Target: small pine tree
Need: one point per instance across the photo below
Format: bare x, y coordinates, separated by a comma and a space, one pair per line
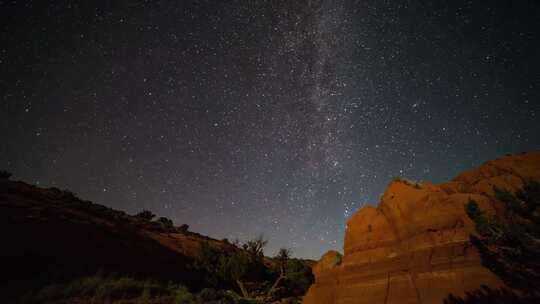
509, 245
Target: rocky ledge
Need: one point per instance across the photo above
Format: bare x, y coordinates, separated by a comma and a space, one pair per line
414, 246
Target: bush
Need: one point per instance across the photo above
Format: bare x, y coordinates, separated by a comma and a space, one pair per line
183, 296
209, 294
184, 228
146, 215
299, 277
97, 287
111, 288
473, 210
165, 223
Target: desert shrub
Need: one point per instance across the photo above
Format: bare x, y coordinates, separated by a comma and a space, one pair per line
283, 256
236, 268
120, 215
233, 267
103, 288
144, 298
183, 296
165, 223
184, 228
55, 191
298, 277
68, 195
207, 265
146, 215
209, 294
254, 249
97, 287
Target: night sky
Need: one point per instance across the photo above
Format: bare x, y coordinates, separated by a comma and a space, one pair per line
254, 117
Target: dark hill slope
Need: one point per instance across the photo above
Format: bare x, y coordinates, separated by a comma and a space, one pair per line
50, 234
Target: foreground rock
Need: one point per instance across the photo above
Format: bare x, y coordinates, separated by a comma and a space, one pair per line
414, 247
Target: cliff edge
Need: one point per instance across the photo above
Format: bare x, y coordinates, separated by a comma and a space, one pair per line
414, 246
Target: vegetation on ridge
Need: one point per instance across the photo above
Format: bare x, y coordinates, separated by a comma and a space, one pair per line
66, 240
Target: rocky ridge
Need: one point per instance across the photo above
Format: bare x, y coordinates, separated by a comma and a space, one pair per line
414, 246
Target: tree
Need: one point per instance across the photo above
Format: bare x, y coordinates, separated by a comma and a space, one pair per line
234, 268
255, 248
208, 261
244, 264
220, 268
298, 276
146, 215
509, 245
255, 252
282, 257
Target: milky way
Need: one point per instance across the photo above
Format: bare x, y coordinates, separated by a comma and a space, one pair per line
279, 118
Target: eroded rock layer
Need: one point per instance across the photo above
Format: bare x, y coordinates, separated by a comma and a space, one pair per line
414, 247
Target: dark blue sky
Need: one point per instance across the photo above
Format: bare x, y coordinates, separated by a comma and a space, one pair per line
279, 118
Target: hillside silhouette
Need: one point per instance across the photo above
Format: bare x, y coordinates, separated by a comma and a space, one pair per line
52, 236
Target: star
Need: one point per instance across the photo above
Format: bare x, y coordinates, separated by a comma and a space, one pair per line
262, 117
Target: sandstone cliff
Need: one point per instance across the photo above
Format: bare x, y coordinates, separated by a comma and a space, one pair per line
414, 246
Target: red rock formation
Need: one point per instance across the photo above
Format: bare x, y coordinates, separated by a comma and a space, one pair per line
414, 247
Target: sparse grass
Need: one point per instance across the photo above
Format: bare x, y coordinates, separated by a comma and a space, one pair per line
220, 270
112, 287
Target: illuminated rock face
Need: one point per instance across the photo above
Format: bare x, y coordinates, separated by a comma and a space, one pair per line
414, 247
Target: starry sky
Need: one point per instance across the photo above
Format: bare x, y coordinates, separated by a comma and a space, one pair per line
279, 118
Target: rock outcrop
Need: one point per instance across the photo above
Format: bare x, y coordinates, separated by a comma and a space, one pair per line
414, 246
